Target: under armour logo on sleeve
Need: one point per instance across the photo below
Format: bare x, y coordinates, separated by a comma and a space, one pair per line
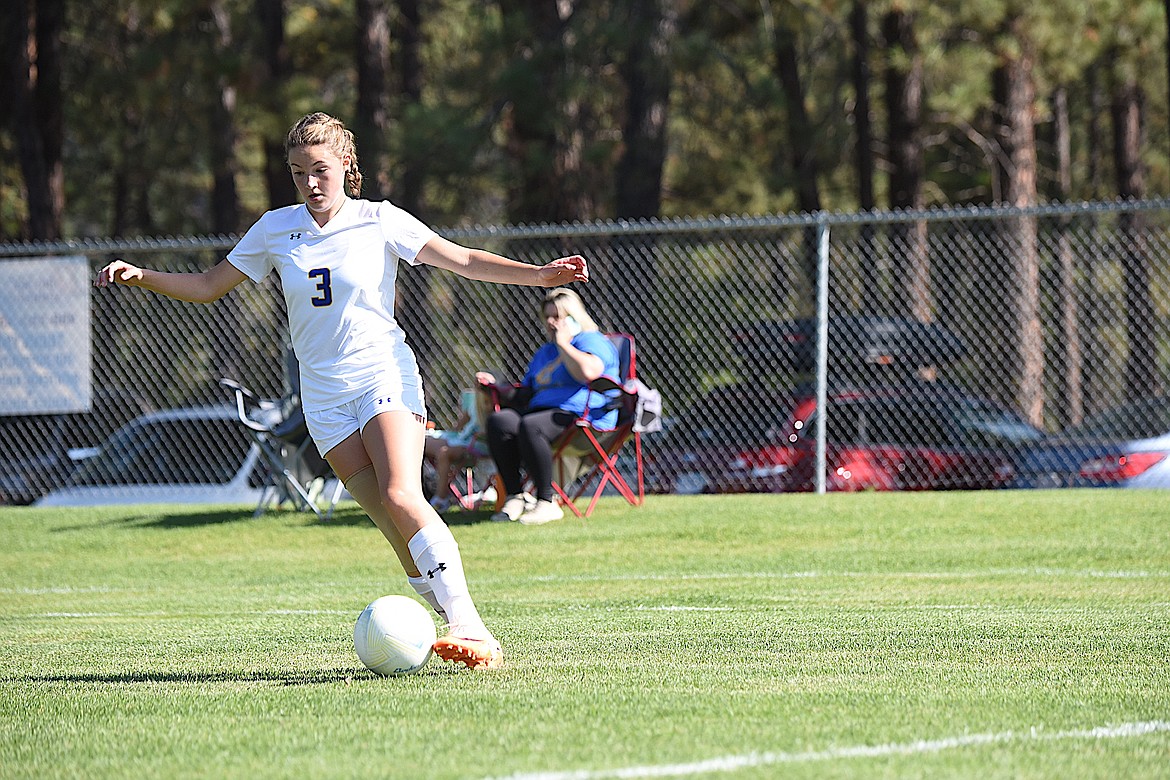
294, 236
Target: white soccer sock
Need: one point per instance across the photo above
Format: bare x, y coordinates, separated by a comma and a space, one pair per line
437, 556
422, 586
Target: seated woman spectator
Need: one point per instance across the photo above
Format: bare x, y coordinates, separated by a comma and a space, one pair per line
553, 393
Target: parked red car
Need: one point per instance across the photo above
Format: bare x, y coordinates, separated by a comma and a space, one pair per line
907, 437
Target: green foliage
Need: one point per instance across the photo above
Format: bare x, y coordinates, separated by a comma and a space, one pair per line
140, 78
842, 636
13, 208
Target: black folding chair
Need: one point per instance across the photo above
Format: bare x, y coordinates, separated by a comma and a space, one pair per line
296, 471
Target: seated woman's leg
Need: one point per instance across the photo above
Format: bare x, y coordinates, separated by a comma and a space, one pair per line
537, 431
503, 429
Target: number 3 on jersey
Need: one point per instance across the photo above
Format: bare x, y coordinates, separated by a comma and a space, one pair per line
324, 287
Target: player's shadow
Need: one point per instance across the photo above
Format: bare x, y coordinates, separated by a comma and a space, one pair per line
190, 519
222, 516
356, 516
157, 520
467, 516
287, 678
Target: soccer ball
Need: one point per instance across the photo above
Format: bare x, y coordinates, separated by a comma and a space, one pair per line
394, 635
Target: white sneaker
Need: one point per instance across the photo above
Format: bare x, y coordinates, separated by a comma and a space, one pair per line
543, 512
514, 506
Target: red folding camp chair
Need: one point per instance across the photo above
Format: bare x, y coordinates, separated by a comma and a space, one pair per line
585, 458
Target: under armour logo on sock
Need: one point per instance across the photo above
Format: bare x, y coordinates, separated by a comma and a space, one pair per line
441, 567
294, 236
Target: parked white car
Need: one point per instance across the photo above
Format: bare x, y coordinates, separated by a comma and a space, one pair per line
194, 455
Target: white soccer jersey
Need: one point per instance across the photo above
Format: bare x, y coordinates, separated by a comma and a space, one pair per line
338, 284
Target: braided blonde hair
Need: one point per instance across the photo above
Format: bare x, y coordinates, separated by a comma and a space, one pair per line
320, 129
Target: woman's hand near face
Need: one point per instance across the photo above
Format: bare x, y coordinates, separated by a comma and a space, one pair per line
562, 334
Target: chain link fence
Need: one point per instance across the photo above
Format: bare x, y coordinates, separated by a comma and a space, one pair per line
955, 340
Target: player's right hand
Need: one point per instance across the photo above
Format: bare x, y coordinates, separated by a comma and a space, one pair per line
118, 272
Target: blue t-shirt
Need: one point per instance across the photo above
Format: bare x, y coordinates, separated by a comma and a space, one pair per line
555, 388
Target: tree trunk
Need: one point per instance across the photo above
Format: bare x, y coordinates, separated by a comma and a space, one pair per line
801, 145
904, 108
1070, 407
13, 32
800, 133
413, 303
541, 158
227, 360
1166, 18
372, 123
1142, 378
408, 189
276, 67
50, 101
859, 29
36, 114
651, 29
647, 72
860, 71
1017, 132
225, 200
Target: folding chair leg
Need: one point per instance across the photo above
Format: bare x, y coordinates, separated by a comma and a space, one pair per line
306, 500
607, 468
262, 504
337, 488
465, 492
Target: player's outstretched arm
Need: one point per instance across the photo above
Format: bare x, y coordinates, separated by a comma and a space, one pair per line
484, 266
203, 287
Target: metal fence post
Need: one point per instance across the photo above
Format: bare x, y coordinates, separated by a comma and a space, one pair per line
822, 348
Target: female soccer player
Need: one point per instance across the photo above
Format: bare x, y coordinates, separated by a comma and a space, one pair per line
338, 257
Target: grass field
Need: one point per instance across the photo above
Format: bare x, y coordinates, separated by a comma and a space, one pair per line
997, 634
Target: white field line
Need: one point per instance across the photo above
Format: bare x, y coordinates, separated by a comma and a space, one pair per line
724, 764
186, 614
798, 575
580, 607
759, 575
679, 608
157, 614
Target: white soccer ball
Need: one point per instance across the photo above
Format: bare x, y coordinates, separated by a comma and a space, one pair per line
394, 635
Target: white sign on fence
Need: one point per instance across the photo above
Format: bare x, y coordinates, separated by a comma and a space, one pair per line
44, 335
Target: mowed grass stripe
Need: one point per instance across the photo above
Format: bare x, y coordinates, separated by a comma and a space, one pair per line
199, 642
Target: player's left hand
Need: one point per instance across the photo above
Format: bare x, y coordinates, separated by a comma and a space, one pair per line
564, 270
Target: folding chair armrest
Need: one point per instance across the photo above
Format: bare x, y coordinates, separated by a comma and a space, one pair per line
509, 394
601, 385
243, 397
238, 389
493, 391
604, 384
